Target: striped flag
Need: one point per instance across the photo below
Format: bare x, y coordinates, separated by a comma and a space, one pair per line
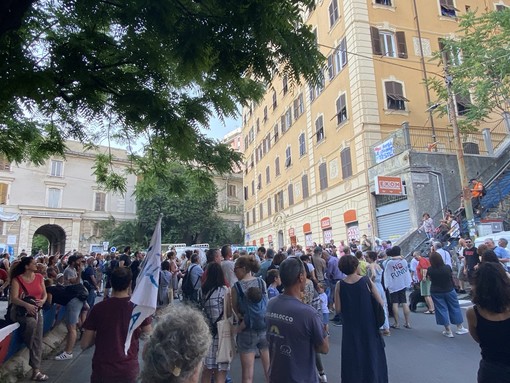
145, 296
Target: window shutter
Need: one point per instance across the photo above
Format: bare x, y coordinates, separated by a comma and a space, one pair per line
291, 194
401, 45
269, 206
376, 41
3, 193
304, 182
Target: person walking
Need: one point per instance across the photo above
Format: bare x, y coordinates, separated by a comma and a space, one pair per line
427, 226
26, 282
489, 322
363, 356
295, 330
447, 308
421, 273
375, 272
214, 294
397, 279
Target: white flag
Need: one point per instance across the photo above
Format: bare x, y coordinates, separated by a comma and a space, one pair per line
145, 296
4, 332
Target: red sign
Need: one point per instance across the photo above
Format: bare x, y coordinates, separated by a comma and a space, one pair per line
388, 185
325, 223
291, 232
269, 238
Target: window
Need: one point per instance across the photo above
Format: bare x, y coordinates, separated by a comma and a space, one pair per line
252, 187
277, 166
319, 128
448, 8
276, 133
383, 43
331, 67
278, 201
275, 103
247, 218
54, 196
288, 118
323, 176
100, 201
246, 141
317, 89
246, 193
299, 107
259, 181
57, 168
251, 135
3, 193
265, 114
463, 103
383, 2
232, 191
268, 174
395, 95
453, 55
5, 164
261, 211
269, 207
302, 145
345, 158
254, 215
304, 183
341, 55
341, 109
285, 85
290, 190
288, 157
333, 12
257, 124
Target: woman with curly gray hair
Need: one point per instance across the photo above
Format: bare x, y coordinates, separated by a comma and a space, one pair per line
177, 347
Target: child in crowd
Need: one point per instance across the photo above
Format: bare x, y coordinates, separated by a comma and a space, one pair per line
324, 306
273, 281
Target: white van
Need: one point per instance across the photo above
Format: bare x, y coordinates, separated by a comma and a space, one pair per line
495, 237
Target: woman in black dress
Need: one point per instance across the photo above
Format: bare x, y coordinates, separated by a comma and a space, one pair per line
363, 356
489, 322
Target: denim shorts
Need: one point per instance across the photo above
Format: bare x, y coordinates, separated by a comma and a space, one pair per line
251, 340
73, 310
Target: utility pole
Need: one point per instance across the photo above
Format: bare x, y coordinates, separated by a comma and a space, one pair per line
464, 182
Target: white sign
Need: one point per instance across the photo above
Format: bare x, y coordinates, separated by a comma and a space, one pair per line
384, 151
309, 240
353, 232
105, 246
328, 236
11, 239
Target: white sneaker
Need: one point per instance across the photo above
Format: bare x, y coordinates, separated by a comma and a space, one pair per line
461, 331
323, 378
64, 356
448, 334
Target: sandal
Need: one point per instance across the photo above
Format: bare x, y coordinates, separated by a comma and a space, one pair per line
386, 332
40, 377
396, 327
429, 312
407, 325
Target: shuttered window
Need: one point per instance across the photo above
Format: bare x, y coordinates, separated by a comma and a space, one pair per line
302, 145
100, 201
268, 174
269, 207
304, 183
319, 128
387, 43
261, 211
341, 109
290, 190
323, 176
3, 193
448, 8
345, 158
395, 95
333, 12
277, 166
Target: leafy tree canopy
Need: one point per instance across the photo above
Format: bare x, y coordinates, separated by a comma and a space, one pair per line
479, 63
150, 69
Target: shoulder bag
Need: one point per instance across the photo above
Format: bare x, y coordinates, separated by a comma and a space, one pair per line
20, 310
226, 348
376, 306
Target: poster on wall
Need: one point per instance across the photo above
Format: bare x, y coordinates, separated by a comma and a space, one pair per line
327, 235
309, 240
384, 151
353, 232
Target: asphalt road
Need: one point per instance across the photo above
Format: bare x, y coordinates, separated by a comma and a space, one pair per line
419, 355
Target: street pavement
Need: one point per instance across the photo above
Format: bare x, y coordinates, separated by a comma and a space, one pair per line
418, 355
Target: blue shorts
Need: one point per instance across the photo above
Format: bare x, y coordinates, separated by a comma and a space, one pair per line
73, 310
251, 340
325, 318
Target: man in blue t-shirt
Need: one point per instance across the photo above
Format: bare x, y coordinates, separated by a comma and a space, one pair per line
294, 330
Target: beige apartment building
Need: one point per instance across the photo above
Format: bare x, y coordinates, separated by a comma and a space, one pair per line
309, 149
61, 201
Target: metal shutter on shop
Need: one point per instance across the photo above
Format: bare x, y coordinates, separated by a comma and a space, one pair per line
393, 221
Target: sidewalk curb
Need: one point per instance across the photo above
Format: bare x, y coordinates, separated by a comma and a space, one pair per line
16, 368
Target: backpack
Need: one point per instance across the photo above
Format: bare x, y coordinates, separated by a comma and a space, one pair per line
188, 288
253, 309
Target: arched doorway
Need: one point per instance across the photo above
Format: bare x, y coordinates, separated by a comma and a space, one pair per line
56, 237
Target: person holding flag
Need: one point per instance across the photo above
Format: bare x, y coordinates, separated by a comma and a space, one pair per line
115, 325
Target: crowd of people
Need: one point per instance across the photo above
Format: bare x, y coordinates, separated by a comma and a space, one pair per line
280, 305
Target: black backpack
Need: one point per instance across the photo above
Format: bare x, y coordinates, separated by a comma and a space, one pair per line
188, 288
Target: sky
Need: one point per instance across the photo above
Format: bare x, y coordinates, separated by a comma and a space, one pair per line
218, 129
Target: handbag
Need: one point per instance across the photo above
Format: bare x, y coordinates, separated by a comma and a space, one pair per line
77, 291
20, 310
379, 315
226, 348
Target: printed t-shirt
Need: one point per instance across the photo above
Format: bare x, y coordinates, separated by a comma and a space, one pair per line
110, 319
294, 329
471, 257
396, 275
